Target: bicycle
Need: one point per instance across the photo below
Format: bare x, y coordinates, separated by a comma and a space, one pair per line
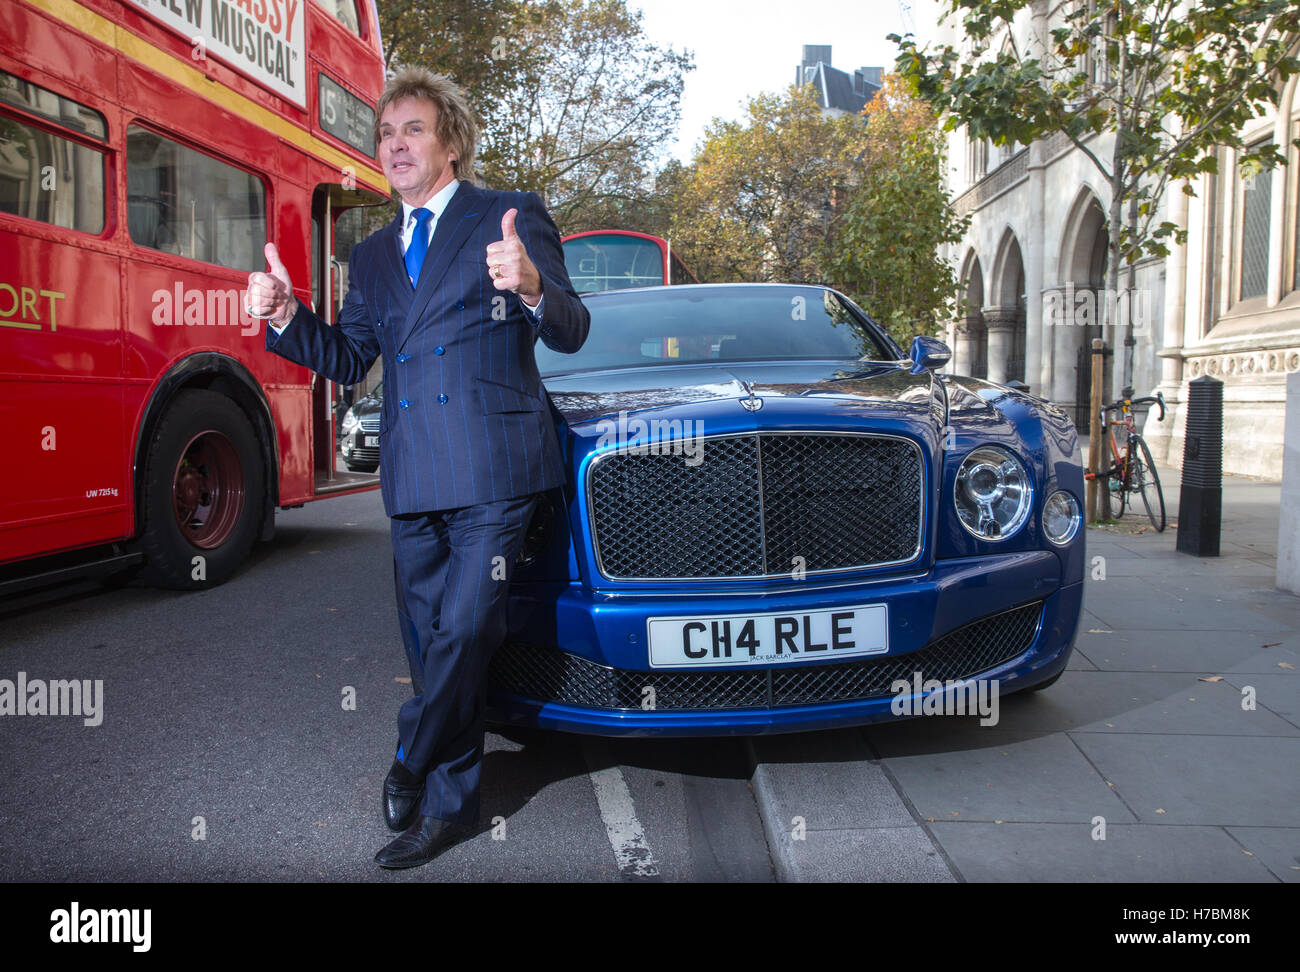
1134, 470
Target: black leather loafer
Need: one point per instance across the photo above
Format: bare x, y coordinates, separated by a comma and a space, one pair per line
422, 842
401, 797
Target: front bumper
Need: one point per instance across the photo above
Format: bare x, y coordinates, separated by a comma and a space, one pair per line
576, 660
354, 448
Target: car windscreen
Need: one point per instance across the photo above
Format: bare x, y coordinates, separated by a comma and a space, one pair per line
696, 324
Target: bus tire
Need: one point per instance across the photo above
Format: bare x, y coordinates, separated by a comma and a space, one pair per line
204, 492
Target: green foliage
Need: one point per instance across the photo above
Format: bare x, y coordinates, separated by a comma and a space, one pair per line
791, 194
573, 98
884, 251
463, 39
1172, 82
758, 200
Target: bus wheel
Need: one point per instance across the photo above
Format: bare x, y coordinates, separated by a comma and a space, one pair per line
203, 492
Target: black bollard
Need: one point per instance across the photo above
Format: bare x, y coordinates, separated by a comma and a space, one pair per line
1200, 499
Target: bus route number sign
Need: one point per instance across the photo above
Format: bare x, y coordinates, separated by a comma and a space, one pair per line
345, 116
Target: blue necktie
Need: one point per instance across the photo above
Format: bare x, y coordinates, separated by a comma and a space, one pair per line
419, 245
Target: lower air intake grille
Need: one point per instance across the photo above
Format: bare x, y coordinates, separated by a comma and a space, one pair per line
547, 675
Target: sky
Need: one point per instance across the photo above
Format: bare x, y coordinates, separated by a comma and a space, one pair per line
744, 49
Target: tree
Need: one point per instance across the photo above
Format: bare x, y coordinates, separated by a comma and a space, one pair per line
884, 250
467, 40
792, 194
1171, 81
584, 125
573, 99
757, 201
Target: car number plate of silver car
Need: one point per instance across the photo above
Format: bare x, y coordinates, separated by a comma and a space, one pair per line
372, 441
727, 641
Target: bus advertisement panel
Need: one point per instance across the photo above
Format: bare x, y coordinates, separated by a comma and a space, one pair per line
266, 39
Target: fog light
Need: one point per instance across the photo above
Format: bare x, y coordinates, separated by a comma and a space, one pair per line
1061, 517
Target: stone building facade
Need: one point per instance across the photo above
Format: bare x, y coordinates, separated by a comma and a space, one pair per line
1033, 268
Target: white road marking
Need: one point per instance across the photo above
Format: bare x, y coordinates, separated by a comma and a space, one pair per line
626, 835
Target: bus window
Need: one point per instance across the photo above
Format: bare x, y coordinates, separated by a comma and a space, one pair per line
44, 176
181, 201
344, 11
50, 179
609, 262
616, 259
55, 107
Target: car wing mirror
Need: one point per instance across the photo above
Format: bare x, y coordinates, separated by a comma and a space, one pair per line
928, 354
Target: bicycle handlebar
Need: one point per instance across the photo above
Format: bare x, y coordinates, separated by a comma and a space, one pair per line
1157, 399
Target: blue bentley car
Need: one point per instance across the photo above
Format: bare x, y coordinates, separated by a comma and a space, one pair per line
775, 517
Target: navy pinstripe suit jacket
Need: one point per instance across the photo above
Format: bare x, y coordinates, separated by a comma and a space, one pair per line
465, 418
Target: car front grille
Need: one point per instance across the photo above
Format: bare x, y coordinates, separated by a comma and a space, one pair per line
370, 425
756, 505
548, 675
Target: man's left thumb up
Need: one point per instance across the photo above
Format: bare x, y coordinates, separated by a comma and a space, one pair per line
508, 225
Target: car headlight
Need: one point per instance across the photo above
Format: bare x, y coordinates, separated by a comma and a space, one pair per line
993, 495
1061, 517
350, 421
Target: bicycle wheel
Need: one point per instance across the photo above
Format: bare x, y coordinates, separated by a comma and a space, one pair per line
1110, 486
1147, 482
1108, 500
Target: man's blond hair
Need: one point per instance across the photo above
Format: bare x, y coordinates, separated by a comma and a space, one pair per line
456, 128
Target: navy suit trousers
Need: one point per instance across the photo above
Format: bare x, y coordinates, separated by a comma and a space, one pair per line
452, 569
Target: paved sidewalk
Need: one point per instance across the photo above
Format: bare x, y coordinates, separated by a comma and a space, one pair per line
1175, 732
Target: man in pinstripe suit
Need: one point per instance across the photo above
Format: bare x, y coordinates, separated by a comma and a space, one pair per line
453, 294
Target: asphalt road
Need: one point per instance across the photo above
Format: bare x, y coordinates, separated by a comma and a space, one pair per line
226, 750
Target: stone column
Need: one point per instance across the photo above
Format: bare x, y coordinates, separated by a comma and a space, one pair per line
1278, 274
958, 365
999, 321
1065, 355
1288, 521
967, 334
1159, 436
1038, 352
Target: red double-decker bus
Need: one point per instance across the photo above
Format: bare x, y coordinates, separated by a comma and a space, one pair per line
148, 151
616, 259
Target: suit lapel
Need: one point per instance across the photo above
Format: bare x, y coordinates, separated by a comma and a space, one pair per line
392, 258
465, 211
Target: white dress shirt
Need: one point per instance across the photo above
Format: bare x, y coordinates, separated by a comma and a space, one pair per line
435, 205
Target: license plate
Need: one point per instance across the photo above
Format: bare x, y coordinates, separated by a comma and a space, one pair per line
718, 641
372, 441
